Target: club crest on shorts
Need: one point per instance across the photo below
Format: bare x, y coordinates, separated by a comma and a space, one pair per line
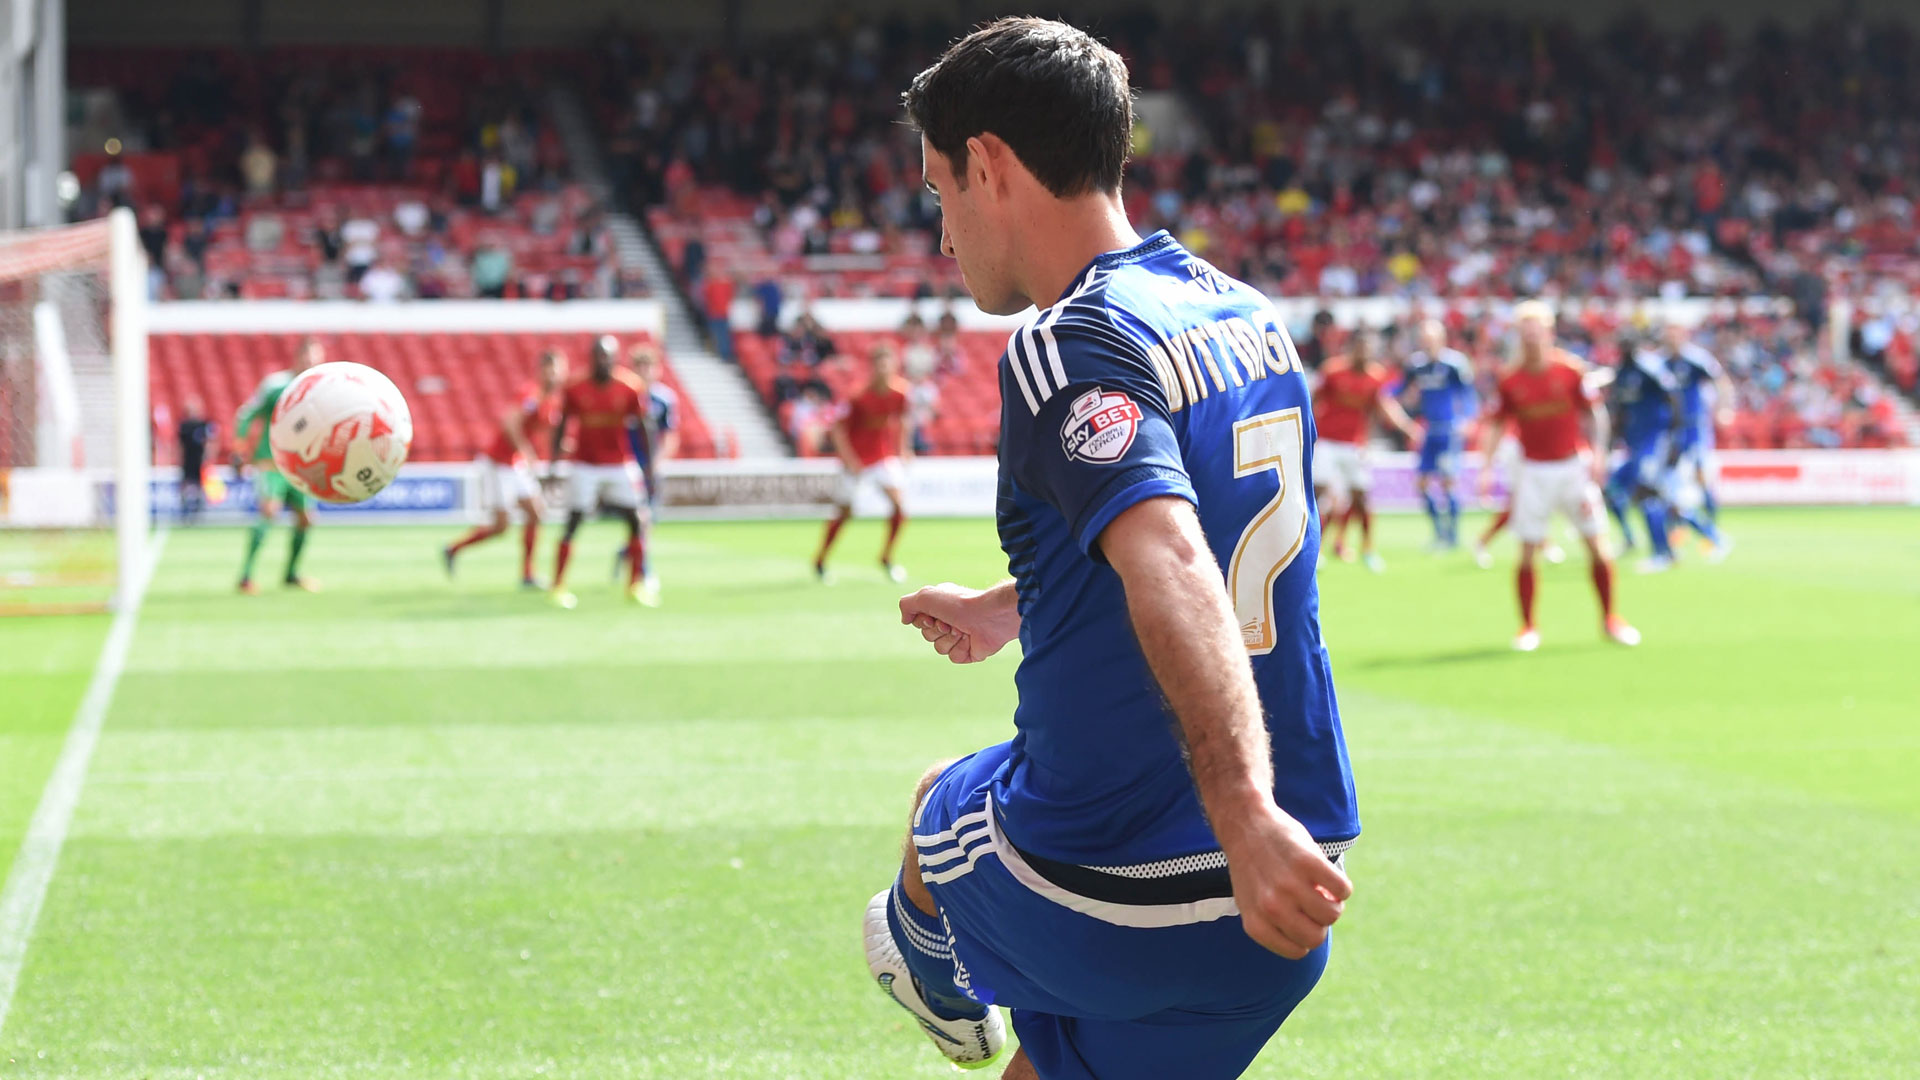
1100, 426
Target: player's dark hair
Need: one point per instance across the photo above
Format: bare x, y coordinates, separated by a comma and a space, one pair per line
1058, 98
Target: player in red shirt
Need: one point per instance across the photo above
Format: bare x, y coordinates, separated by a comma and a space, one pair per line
1352, 392
506, 465
1546, 400
607, 402
871, 439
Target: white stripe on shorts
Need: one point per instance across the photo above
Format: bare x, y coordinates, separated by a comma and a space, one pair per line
962, 869
955, 851
947, 835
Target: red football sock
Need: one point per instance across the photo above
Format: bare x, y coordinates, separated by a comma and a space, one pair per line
636, 548
1499, 523
1526, 596
560, 562
826, 542
527, 542
894, 525
1603, 584
477, 534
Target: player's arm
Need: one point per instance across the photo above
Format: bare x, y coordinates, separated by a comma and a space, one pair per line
1389, 410
640, 434
1409, 393
252, 411
666, 444
1676, 420
842, 443
1287, 891
1599, 435
964, 625
1493, 429
905, 450
640, 441
514, 423
559, 439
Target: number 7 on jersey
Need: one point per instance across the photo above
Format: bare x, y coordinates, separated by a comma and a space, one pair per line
1271, 541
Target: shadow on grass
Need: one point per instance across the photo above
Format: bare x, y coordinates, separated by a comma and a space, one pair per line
1454, 656
765, 588
1475, 654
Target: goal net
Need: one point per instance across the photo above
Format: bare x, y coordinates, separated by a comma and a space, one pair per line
75, 433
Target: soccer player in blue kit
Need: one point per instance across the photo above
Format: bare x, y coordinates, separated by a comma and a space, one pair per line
1442, 380
1703, 387
1146, 874
655, 440
1646, 406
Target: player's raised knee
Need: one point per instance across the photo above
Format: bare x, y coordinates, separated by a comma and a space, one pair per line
927, 780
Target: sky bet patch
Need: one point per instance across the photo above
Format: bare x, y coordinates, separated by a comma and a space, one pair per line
1101, 426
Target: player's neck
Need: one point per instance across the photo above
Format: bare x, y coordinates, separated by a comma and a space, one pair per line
1061, 236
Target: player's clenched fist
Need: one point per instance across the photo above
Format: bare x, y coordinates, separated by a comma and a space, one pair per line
1287, 891
963, 625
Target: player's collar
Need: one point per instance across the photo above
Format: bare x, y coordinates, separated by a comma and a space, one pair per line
1159, 241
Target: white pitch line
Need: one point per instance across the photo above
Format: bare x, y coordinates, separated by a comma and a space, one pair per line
33, 867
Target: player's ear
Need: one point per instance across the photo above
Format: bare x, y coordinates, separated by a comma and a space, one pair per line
988, 160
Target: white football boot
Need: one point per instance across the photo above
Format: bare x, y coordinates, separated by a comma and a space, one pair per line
969, 1044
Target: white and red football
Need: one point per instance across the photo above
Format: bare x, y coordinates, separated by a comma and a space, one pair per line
341, 432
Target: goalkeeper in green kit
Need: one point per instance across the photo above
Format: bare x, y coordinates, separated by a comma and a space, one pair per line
270, 489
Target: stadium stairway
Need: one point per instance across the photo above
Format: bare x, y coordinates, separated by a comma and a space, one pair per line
1903, 406
720, 390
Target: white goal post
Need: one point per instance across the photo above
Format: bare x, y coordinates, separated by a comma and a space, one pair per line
76, 430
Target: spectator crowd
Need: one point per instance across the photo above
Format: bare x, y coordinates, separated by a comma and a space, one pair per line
308, 172
1421, 156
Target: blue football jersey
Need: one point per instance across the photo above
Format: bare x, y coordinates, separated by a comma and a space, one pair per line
663, 415
1643, 394
1694, 370
1446, 387
1156, 375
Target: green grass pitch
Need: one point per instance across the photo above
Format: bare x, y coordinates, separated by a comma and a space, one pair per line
420, 829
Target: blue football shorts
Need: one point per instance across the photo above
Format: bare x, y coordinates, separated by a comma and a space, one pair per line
1440, 453
1120, 973
1644, 467
1697, 442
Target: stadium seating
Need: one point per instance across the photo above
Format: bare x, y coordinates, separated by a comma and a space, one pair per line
347, 134
967, 420
458, 385
292, 267
906, 264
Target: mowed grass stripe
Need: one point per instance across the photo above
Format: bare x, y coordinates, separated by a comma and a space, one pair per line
640, 693
45, 664
1757, 667
470, 956
496, 779
24, 888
